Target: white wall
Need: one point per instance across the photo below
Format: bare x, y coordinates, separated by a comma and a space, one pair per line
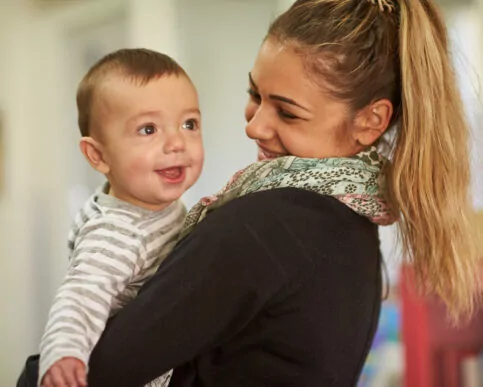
283, 5
23, 171
147, 30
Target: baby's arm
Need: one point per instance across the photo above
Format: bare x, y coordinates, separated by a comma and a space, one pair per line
103, 263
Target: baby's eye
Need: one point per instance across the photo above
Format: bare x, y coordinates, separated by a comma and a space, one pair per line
147, 130
191, 124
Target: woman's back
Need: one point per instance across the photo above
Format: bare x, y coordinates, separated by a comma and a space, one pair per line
315, 330
289, 296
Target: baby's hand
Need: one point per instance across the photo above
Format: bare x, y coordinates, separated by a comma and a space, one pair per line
67, 372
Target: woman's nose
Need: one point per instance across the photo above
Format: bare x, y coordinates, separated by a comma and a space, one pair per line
259, 125
173, 141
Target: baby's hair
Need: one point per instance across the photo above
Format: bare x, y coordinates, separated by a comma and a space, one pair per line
363, 51
137, 64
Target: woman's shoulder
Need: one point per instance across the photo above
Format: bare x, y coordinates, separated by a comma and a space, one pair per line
288, 216
295, 204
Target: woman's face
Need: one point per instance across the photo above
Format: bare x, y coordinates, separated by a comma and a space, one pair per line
289, 114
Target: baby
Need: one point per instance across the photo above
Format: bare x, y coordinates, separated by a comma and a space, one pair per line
141, 127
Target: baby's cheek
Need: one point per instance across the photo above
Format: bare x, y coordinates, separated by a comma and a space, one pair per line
201, 156
137, 163
195, 150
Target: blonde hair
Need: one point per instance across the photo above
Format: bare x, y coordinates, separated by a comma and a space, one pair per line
138, 64
365, 50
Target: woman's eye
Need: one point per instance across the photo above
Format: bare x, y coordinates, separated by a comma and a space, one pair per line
285, 114
190, 124
254, 95
147, 130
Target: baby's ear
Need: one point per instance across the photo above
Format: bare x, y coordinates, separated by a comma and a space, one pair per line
93, 152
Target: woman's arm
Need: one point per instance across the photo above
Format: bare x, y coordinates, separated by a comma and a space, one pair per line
214, 282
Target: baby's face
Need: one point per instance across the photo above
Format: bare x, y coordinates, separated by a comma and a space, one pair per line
151, 138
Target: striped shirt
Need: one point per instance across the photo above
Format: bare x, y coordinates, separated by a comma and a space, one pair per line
114, 248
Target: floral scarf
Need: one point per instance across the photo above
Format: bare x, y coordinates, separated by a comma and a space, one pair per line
358, 182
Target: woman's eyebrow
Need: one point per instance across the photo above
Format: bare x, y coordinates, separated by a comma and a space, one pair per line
287, 100
251, 81
277, 97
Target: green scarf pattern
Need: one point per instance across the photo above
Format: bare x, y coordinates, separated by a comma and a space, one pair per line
359, 182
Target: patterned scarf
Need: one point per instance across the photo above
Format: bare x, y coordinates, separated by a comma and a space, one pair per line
358, 182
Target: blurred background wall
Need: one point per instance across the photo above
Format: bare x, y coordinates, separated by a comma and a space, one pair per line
45, 48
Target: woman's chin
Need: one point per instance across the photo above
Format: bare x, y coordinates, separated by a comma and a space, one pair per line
264, 156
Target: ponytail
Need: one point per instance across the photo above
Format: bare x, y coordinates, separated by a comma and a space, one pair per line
430, 176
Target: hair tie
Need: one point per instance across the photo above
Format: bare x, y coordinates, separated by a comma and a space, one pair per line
384, 5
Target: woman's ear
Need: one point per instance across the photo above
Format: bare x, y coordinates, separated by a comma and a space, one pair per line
93, 152
372, 121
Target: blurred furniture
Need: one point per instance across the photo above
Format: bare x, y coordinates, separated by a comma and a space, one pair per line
434, 349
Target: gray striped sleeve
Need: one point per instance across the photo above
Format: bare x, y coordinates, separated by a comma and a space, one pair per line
103, 264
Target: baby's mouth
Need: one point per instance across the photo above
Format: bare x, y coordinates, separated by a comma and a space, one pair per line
172, 174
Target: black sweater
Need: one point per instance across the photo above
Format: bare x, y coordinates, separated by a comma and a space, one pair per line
277, 288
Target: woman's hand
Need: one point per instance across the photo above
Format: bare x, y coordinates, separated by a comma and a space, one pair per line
67, 372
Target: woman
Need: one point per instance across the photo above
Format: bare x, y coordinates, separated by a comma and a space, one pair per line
282, 286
